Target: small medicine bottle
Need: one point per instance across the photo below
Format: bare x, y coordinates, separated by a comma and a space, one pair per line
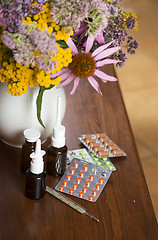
31, 136
35, 187
57, 153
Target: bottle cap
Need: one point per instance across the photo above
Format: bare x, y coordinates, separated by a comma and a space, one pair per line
58, 139
31, 135
37, 164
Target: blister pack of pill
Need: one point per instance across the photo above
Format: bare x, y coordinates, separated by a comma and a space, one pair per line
83, 180
101, 145
88, 156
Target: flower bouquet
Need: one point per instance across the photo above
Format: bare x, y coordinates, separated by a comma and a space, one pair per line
54, 42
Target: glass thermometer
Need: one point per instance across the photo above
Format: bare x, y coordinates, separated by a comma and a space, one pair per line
71, 203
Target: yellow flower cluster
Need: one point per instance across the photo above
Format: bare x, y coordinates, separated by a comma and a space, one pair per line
19, 77
63, 58
44, 79
45, 22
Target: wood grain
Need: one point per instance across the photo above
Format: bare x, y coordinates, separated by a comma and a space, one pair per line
124, 207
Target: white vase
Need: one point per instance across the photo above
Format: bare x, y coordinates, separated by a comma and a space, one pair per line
18, 113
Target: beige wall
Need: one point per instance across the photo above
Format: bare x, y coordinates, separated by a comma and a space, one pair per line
139, 84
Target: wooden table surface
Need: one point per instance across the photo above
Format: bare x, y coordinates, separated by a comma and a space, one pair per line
124, 207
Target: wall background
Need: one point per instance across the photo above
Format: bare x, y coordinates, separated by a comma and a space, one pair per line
139, 84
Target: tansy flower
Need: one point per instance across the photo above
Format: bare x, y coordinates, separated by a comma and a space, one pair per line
86, 64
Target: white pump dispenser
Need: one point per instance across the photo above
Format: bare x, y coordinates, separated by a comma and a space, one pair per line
37, 164
58, 139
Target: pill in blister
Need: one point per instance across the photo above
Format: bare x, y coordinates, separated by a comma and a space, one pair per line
92, 145
107, 144
71, 191
107, 162
74, 186
76, 164
81, 194
110, 167
99, 163
97, 186
91, 177
102, 140
61, 188
86, 136
84, 156
101, 180
65, 182
117, 152
84, 189
90, 197
78, 180
68, 176
81, 152
72, 170
111, 148
103, 154
81, 174
85, 167
87, 160
88, 183
100, 135
94, 192
99, 149
90, 141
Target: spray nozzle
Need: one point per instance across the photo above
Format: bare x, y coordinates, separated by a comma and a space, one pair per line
58, 111
37, 163
58, 139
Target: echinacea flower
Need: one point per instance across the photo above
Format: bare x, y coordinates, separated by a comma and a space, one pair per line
86, 64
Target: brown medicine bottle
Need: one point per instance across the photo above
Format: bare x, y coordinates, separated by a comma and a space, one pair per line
35, 187
57, 153
31, 136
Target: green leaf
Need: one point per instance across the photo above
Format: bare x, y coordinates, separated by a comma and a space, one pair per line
39, 103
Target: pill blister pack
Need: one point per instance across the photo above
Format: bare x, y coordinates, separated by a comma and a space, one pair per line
83, 180
101, 145
88, 156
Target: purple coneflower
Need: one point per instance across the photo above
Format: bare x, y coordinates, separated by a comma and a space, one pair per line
86, 64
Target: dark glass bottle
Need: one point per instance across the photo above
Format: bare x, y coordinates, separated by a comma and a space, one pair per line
57, 153
56, 160
35, 185
31, 135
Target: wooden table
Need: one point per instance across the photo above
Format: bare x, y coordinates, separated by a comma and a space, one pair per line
124, 207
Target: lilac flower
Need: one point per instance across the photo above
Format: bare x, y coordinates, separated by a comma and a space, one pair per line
2, 20
27, 43
15, 11
122, 57
85, 65
130, 22
70, 13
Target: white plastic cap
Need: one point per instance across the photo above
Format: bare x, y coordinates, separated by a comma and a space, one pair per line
58, 139
37, 164
31, 135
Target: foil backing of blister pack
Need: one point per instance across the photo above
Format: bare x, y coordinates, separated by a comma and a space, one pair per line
83, 180
101, 145
88, 156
